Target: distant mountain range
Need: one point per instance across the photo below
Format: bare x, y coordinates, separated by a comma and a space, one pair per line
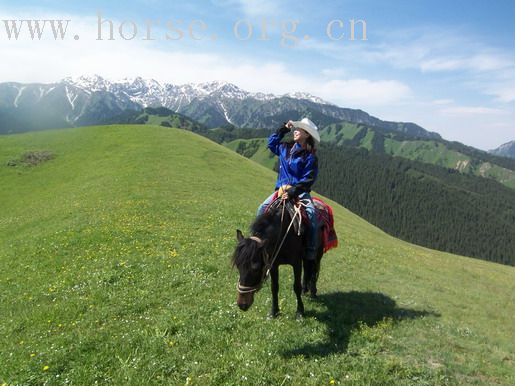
506, 150
95, 100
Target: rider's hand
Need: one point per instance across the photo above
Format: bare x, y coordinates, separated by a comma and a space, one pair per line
291, 192
283, 129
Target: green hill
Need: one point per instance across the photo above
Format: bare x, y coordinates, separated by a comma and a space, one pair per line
254, 149
114, 251
451, 155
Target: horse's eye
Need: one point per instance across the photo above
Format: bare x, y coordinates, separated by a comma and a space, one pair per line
255, 265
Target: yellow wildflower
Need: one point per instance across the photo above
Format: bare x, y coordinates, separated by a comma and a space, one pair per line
45, 368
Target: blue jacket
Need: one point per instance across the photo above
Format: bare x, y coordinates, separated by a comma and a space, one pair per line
297, 166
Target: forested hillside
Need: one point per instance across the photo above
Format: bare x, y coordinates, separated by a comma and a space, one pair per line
424, 204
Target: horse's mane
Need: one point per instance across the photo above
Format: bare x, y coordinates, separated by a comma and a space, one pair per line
243, 253
263, 223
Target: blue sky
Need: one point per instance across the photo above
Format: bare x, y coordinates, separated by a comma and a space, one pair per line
446, 65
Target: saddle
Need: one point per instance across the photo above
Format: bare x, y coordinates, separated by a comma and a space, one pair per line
290, 207
324, 213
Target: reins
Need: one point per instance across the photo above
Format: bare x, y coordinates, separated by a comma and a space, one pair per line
277, 249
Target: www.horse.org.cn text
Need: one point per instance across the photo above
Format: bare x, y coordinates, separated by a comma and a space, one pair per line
285, 32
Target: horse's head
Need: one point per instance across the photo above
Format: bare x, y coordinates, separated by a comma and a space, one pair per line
249, 258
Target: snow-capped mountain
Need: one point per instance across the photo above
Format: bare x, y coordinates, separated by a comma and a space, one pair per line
26, 107
95, 100
150, 93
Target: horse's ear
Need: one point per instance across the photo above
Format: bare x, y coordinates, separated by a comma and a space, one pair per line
239, 235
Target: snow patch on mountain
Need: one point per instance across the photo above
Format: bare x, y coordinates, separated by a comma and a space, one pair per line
306, 96
89, 83
20, 91
71, 97
225, 114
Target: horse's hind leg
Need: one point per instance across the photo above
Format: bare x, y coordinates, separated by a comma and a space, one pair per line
274, 275
316, 271
314, 277
311, 272
310, 277
297, 287
307, 273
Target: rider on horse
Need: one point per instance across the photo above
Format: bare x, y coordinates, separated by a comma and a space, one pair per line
298, 170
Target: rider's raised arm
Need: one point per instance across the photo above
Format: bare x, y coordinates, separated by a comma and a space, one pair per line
274, 141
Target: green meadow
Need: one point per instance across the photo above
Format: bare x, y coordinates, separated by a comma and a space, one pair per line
115, 269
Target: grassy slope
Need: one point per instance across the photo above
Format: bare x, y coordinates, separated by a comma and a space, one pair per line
115, 268
347, 130
261, 156
425, 151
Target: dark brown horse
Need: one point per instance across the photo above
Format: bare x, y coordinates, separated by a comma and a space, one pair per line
273, 242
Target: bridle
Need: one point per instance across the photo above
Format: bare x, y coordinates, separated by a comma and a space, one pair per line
269, 262
243, 289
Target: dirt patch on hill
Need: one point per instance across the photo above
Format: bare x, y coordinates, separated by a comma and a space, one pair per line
32, 158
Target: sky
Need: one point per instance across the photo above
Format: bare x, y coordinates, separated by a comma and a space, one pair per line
448, 66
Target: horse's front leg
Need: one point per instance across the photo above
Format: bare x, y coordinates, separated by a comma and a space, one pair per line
297, 287
274, 275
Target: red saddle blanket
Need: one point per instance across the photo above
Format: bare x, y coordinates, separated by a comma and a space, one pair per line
326, 221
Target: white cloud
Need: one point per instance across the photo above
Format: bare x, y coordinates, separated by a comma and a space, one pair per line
502, 86
482, 127
472, 110
256, 8
363, 93
474, 66
332, 73
252, 8
476, 63
440, 102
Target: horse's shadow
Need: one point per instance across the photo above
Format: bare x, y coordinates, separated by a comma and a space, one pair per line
346, 311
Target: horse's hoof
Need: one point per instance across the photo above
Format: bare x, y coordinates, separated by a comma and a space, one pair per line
272, 315
299, 315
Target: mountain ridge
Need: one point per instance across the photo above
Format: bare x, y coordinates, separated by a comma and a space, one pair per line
92, 100
505, 150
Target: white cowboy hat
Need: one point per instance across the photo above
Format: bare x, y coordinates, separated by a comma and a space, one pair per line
308, 126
